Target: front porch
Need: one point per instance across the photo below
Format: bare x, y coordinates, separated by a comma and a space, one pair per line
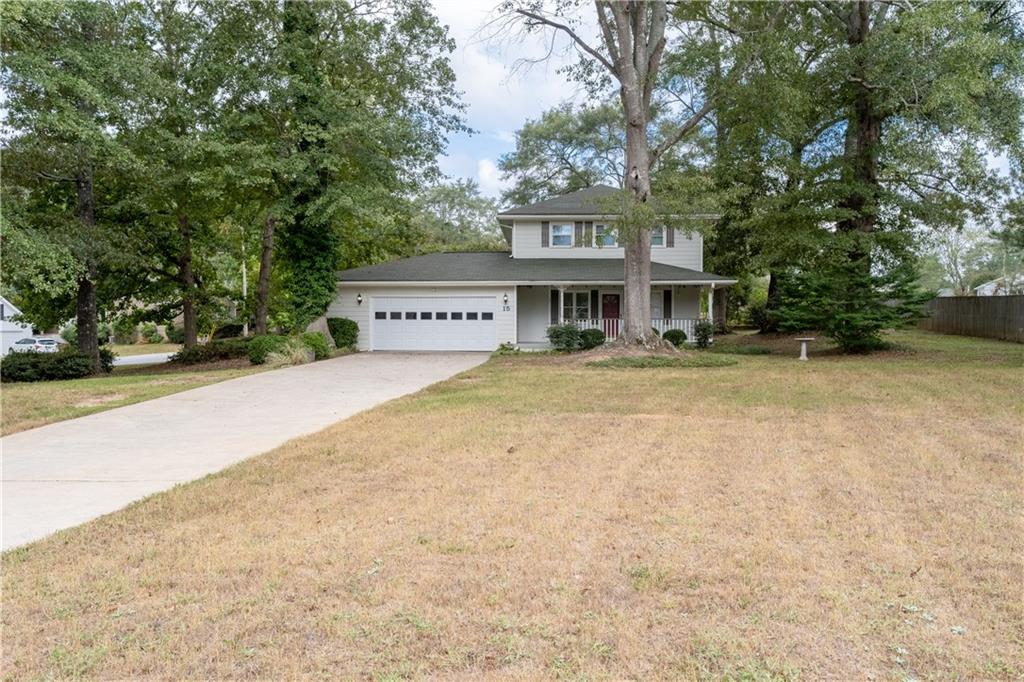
601, 307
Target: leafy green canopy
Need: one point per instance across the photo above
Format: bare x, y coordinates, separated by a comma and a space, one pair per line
201, 120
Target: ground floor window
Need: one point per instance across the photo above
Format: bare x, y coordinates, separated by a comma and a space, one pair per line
576, 305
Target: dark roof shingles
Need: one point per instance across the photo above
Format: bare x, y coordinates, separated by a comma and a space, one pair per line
499, 266
588, 201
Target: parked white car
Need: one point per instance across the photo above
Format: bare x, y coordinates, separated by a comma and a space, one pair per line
33, 345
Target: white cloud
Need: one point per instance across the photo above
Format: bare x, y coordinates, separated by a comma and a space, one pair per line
489, 177
500, 98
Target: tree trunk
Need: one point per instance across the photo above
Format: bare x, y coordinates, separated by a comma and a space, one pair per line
188, 282
863, 132
637, 249
85, 307
263, 286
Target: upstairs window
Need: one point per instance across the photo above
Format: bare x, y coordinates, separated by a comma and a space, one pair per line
658, 236
561, 234
605, 236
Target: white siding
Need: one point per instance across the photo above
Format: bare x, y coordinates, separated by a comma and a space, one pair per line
10, 331
344, 305
686, 302
688, 252
534, 313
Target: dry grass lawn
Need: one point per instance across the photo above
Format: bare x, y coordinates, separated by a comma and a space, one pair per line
26, 406
125, 349
847, 518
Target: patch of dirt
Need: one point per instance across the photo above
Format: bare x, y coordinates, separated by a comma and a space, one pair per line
618, 349
99, 400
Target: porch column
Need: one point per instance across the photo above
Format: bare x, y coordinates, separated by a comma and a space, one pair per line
561, 305
711, 303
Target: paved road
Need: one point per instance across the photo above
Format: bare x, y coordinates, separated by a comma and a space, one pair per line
64, 474
144, 359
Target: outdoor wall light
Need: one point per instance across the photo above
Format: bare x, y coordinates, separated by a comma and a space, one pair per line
504, 299
359, 299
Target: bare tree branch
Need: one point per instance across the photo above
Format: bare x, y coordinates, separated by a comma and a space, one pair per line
535, 19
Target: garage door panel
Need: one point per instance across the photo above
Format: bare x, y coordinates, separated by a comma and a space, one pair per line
450, 323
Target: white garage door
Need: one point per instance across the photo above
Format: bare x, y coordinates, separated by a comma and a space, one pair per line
433, 323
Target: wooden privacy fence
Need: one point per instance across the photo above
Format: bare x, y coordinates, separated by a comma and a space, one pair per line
994, 317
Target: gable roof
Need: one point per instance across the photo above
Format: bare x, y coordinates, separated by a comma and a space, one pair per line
588, 201
500, 267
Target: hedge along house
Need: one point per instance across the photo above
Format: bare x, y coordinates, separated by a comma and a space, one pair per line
565, 265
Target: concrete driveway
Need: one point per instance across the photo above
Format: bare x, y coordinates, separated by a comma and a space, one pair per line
144, 359
64, 474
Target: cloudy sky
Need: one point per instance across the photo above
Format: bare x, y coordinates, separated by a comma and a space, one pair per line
499, 97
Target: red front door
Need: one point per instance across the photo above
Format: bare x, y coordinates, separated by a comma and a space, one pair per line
610, 315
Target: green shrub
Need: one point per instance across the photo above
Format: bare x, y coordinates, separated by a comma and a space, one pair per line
65, 364
507, 348
293, 351
656, 361
316, 342
229, 331
124, 330
260, 347
107, 359
70, 333
150, 334
175, 334
676, 337
591, 338
344, 331
765, 319
224, 349
565, 337
703, 331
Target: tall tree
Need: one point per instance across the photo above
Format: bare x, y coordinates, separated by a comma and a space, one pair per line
67, 70
566, 149
353, 105
632, 43
454, 216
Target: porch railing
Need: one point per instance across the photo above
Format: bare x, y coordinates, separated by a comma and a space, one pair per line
611, 325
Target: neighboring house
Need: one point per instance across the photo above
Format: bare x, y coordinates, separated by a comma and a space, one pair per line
564, 266
1001, 286
10, 331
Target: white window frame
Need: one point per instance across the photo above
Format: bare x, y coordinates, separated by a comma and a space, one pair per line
655, 231
574, 296
572, 235
660, 293
606, 228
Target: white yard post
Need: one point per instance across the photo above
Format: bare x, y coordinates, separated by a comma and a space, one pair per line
245, 288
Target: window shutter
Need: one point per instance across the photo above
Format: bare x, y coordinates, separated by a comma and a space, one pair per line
670, 237
667, 303
594, 312
578, 241
554, 304
588, 233
545, 234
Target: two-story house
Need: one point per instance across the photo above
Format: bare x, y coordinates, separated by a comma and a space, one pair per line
564, 266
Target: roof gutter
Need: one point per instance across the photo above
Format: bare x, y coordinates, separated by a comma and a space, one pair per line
526, 282
593, 216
